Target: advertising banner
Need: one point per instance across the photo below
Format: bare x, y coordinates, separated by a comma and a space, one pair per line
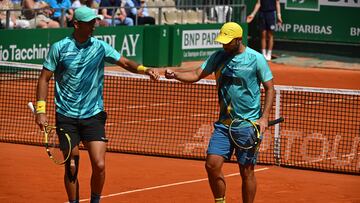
32, 45
320, 20
198, 40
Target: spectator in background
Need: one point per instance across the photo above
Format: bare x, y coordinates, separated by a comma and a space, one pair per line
14, 21
38, 18
58, 6
137, 10
94, 6
119, 14
16, 3
269, 15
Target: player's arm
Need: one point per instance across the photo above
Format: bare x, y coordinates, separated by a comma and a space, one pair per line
134, 67
41, 96
278, 12
188, 76
105, 14
253, 13
269, 99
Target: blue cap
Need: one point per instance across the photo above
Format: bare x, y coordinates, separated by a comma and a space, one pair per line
85, 14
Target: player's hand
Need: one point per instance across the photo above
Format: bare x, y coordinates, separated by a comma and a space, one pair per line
41, 120
279, 19
154, 75
169, 74
249, 18
263, 124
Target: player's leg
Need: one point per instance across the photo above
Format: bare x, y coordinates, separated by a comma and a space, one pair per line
263, 42
270, 37
72, 164
219, 149
246, 161
93, 137
97, 151
216, 178
71, 173
262, 28
248, 183
270, 19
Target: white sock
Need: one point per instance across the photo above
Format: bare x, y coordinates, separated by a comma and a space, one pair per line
263, 51
269, 54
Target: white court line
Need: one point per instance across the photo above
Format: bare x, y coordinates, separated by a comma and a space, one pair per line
167, 185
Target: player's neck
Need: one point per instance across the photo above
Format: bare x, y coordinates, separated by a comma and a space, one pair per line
238, 51
241, 48
79, 38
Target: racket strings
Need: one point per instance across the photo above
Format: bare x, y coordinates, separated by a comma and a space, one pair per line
235, 130
59, 151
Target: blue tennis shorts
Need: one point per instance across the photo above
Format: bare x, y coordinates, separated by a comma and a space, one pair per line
267, 20
222, 145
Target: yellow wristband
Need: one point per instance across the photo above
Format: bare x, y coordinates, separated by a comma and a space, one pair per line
141, 69
40, 106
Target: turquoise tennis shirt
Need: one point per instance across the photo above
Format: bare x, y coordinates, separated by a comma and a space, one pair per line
238, 81
79, 75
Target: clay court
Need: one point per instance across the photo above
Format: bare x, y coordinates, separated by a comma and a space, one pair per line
27, 174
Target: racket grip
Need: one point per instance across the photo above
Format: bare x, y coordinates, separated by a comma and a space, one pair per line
31, 107
276, 121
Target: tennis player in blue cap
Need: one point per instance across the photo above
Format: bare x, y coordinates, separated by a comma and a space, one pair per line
239, 71
77, 63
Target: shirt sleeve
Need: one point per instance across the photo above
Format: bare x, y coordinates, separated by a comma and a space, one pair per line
111, 55
209, 65
263, 69
52, 59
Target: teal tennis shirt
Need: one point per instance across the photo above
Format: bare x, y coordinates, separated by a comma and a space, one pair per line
79, 75
238, 81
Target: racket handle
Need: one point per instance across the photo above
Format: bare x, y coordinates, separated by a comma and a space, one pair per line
31, 107
276, 121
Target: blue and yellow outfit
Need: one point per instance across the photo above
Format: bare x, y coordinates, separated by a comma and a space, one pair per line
79, 75
238, 81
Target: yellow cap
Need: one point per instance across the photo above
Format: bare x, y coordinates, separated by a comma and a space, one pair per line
228, 32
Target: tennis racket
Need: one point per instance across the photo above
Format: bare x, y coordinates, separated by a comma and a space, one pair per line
236, 126
57, 142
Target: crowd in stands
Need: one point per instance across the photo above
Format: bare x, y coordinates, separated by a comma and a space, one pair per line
59, 13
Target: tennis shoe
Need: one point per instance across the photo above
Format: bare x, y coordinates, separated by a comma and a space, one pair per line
268, 57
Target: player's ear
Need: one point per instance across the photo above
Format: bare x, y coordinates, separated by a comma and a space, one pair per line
76, 24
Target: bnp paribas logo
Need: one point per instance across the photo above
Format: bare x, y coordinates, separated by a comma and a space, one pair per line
305, 5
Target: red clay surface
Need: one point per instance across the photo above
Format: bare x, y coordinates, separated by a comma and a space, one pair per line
27, 175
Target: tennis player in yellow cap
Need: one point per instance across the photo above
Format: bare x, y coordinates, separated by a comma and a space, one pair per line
239, 71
